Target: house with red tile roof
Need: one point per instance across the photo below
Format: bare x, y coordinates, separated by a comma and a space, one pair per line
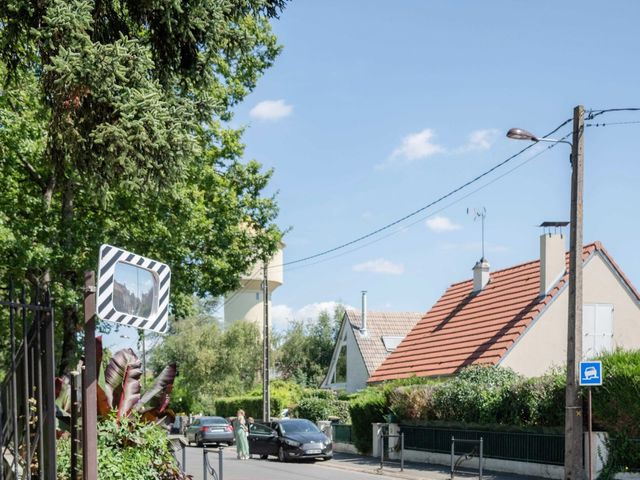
517, 317
365, 339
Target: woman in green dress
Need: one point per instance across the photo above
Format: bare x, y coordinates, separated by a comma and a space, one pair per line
241, 431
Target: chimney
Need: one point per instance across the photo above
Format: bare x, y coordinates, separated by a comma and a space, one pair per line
363, 328
552, 260
480, 275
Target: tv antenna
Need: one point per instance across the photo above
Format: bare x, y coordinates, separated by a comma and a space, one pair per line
479, 213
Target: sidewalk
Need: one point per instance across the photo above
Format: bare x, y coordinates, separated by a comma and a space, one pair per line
412, 470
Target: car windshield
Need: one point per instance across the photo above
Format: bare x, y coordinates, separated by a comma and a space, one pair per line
213, 421
298, 426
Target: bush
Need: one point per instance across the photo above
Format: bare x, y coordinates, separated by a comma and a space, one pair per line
127, 449
316, 408
252, 406
369, 406
412, 403
318, 393
474, 395
616, 404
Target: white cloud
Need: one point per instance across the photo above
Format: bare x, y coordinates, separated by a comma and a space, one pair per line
480, 140
440, 224
271, 110
282, 315
414, 147
380, 265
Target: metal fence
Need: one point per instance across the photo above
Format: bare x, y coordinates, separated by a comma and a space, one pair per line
27, 392
520, 446
341, 433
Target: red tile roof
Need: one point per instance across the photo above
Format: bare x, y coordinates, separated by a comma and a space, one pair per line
463, 329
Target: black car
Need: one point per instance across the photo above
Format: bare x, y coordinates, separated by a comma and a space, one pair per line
289, 439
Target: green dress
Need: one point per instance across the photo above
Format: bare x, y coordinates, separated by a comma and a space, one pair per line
242, 444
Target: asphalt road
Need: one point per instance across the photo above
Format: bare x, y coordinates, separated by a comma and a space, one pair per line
271, 469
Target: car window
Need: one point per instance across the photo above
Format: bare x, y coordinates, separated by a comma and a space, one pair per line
196, 422
298, 426
214, 421
257, 429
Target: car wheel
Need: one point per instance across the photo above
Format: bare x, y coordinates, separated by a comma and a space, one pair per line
230, 444
264, 456
281, 456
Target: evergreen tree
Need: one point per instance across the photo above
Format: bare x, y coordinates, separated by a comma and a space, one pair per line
113, 130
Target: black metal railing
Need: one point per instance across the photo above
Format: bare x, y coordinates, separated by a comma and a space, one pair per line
27, 391
517, 446
341, 433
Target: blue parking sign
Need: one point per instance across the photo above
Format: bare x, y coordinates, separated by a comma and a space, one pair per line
591, 373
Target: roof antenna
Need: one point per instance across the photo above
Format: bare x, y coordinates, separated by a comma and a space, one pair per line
480, 213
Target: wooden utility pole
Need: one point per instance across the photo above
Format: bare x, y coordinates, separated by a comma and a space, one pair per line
573, 451
266, 397
89, 383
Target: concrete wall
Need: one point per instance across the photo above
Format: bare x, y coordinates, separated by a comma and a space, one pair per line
546, 339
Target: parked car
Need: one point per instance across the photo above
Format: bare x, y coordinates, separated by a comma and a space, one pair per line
210, 430
289, 439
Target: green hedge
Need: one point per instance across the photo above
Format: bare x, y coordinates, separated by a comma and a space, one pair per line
369, 406
316, 408
252, 406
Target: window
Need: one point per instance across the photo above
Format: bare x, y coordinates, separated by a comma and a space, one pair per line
391, 342
257, 429
597, 329
341, 366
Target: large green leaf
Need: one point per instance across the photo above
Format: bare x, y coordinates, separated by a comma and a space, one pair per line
122, 381
157, 397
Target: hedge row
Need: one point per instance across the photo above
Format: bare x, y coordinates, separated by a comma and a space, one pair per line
252, 406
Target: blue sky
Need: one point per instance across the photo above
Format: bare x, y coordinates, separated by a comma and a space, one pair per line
376, 108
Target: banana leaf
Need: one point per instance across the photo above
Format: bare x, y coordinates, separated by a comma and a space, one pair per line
156, 398
122, 381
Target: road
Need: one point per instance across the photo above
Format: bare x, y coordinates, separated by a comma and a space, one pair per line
270, 469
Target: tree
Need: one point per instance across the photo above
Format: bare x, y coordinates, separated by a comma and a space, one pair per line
306, 349
112, 130
211, 362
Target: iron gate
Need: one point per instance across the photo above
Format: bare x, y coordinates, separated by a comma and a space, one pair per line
27, 391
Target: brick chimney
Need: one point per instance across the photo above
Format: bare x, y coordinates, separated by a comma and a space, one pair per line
552, 260
480, 275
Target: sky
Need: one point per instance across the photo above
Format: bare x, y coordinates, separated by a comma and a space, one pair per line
376, 108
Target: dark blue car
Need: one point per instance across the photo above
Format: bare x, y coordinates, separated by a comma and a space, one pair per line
289, 439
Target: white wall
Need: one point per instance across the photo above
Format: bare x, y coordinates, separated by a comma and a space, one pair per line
544, 344
357, 374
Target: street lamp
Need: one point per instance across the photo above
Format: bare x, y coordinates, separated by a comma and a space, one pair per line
573, 467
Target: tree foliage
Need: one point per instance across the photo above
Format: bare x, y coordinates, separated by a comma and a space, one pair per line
211, 362
113, 130
306, 349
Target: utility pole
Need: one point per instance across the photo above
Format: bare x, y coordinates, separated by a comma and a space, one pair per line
266, 400
573, 450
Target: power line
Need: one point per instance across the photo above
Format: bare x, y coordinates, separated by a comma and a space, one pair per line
421, 209
595, 112
394, 232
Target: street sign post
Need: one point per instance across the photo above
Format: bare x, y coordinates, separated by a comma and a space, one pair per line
590, 376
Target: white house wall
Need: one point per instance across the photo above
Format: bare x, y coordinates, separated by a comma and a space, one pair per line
357, 374
544, 344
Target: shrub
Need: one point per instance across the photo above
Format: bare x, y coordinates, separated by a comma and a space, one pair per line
316, 408
252, 406
369, 406
616, 404
318, 393
474, 395
412, 403
127, 448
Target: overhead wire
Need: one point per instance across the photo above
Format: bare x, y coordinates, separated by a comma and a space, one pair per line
423, 208
394, 232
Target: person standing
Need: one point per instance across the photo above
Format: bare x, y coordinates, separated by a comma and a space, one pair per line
241, 432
